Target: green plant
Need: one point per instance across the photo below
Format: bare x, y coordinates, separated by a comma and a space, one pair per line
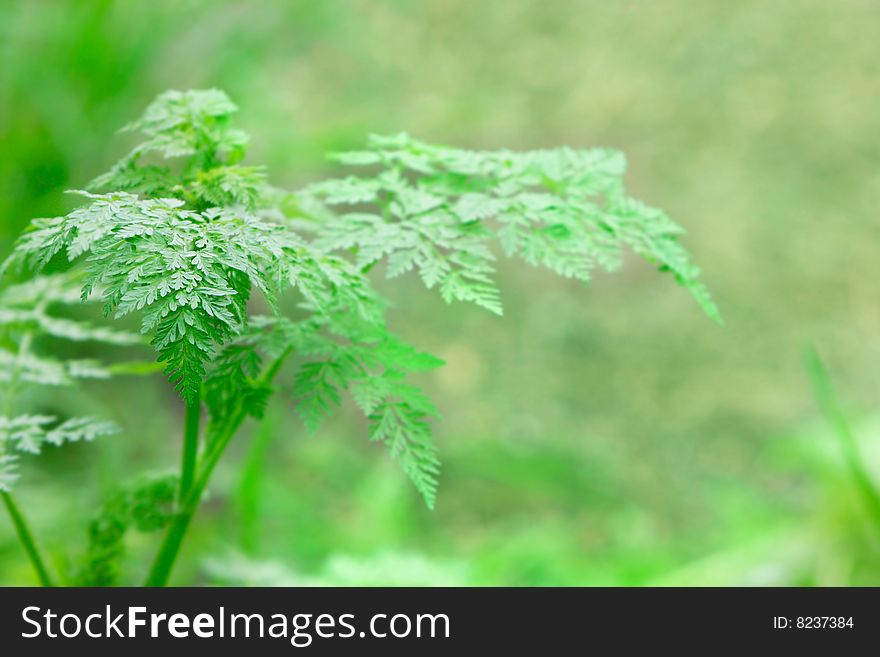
187, 234
27, 315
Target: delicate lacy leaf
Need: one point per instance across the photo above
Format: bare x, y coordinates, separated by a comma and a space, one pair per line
195, 125
436, 209
29, 433
188, 123
233, 382
190, 274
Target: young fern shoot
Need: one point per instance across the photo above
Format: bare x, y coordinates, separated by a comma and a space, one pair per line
182, 234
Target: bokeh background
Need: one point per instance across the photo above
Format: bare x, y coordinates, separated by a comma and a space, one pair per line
602, 436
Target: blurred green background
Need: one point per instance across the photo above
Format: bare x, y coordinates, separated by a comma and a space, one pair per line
602, 436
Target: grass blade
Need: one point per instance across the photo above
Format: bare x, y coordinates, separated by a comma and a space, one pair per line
834, 415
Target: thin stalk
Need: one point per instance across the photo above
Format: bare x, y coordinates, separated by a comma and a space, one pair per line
27, 540
835, 417
218, 439
249, 494
190, 450
174, 535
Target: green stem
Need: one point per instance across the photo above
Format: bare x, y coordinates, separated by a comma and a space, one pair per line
174, 535
835, 416
190, 445
250, 488
218, 440
27, 539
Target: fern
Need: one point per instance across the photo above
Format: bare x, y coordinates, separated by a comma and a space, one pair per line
182, 234
148, 505
436, 210
30, 433
185, 242
28, 313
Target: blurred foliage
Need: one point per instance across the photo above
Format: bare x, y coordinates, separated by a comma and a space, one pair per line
601, 436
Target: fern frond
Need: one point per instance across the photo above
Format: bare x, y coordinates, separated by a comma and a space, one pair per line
435, 209
189, 273
343, 353
30, 307
233, 382
148, 504
194, 125
27, 312
406, 432
30, 433
189, 122
8, 472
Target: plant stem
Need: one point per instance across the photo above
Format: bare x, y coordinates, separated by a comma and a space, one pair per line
219, 439
250, 489
835, 416
27, 539
176, 531
190, 445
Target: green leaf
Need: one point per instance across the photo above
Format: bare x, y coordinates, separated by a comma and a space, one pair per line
147, 504
30, 433
436, 210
